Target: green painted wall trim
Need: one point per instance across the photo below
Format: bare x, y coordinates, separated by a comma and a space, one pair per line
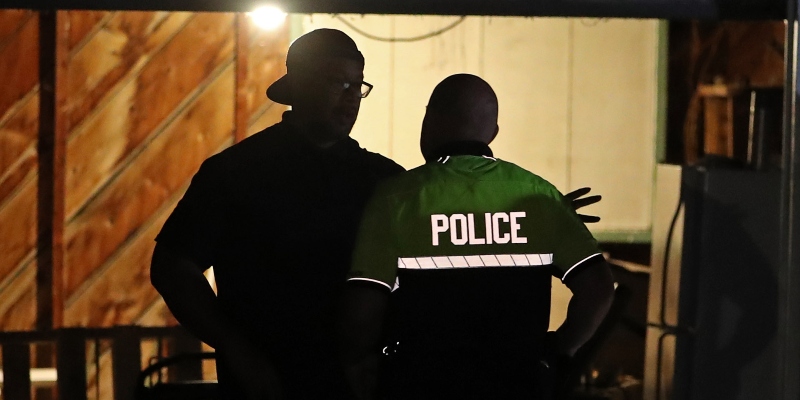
626, 236
662, 74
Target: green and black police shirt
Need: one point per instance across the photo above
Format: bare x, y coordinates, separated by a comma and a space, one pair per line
470, 244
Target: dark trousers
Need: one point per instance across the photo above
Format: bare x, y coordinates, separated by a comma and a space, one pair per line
468, 378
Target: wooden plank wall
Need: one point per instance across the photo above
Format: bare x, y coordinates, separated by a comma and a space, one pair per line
19, 125
150, 95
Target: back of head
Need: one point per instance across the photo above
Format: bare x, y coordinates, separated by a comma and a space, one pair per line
462, 107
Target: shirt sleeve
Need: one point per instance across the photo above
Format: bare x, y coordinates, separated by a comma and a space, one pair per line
198, 223
375, 254
571, 242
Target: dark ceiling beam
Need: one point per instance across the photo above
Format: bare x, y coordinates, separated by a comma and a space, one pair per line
666, 9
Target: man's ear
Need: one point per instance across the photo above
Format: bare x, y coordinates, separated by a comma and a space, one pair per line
494, 135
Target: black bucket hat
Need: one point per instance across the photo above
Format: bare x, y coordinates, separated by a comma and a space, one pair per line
309, 50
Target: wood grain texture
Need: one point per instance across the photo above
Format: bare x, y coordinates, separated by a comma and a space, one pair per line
20, 66
82, 23
266, 63
18, 228
19, 113
141, 189
18, 176
97, 149
18, 300
115, 52
101, 303
10, 22
17, 136
241, 56
144, 99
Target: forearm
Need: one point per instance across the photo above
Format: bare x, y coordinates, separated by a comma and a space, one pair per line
359, 335
363, 376
189, 297
591, 300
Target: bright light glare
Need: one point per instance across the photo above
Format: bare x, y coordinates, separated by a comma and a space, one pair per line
268, 17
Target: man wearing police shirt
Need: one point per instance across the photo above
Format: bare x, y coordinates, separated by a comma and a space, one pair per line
468, 243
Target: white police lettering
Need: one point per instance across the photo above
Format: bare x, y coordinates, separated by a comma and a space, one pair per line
501, 239
438, 225
515, 227
455, 230
487, 220
500, 228
471, 225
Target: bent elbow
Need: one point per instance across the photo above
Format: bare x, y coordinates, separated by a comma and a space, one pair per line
160, 269
606, 287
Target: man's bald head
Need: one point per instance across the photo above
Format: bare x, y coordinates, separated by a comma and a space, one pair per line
462, 107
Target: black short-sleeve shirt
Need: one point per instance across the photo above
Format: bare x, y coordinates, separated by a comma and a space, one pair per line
277, 218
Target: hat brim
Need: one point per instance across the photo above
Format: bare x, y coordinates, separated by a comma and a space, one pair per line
280, 91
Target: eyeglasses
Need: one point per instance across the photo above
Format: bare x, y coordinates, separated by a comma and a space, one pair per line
338, 86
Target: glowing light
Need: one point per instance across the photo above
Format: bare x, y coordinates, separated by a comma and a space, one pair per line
268, 17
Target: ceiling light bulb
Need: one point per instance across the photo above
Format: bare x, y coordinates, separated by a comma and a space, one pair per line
268, 17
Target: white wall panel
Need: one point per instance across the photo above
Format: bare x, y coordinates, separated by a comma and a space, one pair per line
613, 119
526, 60
578, 101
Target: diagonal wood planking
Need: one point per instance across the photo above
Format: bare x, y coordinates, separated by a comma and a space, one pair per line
18, 175
266, 62
20, 66
18, 145
19, 102
143, 89
19, 126
18, 229
272, 55
138, 193
18, 307
82, 24
97, 148
101, 289
115, 51
127, 163
18, 99
129, 262
99, 302
12, 20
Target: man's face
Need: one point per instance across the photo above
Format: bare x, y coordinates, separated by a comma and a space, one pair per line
321, 97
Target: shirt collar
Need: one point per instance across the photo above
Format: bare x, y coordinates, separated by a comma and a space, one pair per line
460, 148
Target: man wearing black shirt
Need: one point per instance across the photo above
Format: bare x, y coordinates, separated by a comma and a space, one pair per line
276, 216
